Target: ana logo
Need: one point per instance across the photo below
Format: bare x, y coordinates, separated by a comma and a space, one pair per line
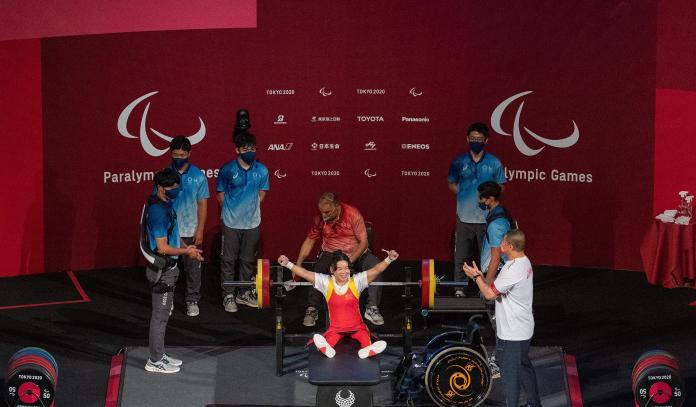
345, 402
280, 174
517, 134
370, 146
122, 125
414, 92
325, 92
280, 119
280, 147
369, 174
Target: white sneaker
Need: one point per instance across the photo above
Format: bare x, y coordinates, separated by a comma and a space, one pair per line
229, 303
495, 370
288, 285
323, 346
172, 361
192, 309
372, 349
248, 298
160, 367
373, 315
310, 317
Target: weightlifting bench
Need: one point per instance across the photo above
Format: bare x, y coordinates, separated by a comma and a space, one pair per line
343, 379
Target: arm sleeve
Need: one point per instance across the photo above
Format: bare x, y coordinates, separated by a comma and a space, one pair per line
157, 221
500, 174
221, 180
203, 192
496, 230
360, 281
453, 174
506, 280
314, 232
264, 183
358, 224
321, 283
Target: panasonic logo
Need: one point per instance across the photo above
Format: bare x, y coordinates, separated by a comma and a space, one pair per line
415, 119
370, 118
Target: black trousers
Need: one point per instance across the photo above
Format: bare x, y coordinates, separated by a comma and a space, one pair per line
238, 249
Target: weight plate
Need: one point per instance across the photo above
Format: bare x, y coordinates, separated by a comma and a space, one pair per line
22, 385
38, 351
659, 385
458, 376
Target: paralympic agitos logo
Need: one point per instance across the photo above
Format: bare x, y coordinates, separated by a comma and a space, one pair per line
122, 125
517, 134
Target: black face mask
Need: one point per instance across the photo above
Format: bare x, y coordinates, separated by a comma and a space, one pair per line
172, 193
179, 163
476, 146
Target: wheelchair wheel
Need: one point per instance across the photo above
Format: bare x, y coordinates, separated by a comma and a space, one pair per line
458, 376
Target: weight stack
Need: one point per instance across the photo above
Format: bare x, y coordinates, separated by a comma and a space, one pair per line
32, 374
656, 381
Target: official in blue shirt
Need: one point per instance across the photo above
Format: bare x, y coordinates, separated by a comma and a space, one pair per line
498, 222
191, 208
241, 186
466, 173
163, 234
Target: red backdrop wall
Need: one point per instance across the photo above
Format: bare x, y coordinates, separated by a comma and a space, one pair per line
675, 105
21, 206
589, 64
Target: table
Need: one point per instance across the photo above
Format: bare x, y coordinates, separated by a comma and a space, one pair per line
668, 253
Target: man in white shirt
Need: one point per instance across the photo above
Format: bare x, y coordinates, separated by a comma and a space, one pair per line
513, 291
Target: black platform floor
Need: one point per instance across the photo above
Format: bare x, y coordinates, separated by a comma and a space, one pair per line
605, 318
245, 376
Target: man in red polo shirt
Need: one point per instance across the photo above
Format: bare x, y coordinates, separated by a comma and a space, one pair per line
340, 227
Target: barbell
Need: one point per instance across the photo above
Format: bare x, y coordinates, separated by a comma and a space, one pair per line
263, 283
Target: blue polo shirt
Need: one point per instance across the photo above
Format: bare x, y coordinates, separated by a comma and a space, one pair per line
468, 175
161, 217
494, 236
241, 207
194, 186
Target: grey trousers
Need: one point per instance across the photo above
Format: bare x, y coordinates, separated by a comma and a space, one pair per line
162, 300
364, 262
467, 238
192, 268
238, 250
